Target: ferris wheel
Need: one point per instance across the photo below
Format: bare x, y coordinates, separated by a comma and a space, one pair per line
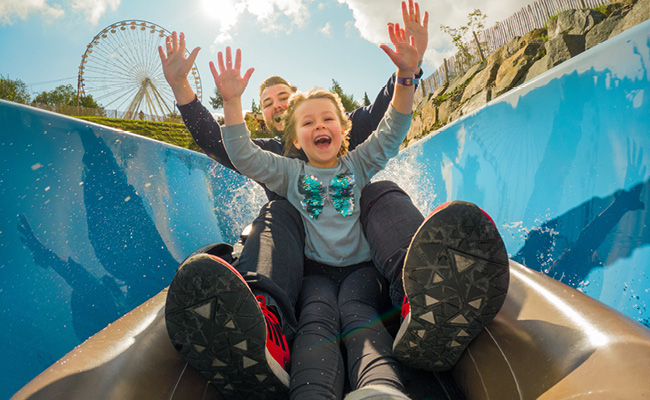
122, 71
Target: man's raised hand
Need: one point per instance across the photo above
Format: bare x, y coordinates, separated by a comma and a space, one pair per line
416, 26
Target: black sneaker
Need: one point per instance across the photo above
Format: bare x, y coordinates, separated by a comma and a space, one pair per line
455, 278
220, 328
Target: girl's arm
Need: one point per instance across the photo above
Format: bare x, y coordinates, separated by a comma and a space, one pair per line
231, 85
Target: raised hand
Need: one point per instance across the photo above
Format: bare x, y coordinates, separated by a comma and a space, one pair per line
416, 27
176, 67
230, 83
406, 55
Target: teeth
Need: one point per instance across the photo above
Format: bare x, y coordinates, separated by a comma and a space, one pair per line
322, 140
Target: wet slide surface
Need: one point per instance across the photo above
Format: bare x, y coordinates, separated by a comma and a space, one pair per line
94, 221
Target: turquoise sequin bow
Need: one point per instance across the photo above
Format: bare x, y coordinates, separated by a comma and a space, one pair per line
339, 192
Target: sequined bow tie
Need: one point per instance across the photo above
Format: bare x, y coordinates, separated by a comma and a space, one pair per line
339, 191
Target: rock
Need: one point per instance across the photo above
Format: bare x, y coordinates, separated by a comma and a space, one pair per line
515, 67
446, 108
539, 67
481, 81
602, 31
476, 102
639, 13
574, 22
563, 47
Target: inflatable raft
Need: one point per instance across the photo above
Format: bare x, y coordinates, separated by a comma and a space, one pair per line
94, 223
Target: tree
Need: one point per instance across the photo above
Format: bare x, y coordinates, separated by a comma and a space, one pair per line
13, 90
461, 37
366, 99
347, 99
255, 108
217, 101
67, 95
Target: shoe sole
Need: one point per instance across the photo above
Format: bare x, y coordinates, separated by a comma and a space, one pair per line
216, 324
456, 278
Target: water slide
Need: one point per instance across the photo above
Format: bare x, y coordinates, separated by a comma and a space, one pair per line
95, 221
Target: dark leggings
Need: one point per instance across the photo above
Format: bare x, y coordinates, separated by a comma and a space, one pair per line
339, 306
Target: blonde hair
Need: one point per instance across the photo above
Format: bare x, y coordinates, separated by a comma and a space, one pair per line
290, 122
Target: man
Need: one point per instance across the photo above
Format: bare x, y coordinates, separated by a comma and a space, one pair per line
271, 262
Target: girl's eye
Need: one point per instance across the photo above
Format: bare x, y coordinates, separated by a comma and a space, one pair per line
307, 123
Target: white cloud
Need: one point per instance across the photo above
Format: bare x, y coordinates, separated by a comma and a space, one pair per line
371, 16
92, 10
326, 30
270, 15
21, 9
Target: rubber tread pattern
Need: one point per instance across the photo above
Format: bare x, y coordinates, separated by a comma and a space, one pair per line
216, 324
456, 278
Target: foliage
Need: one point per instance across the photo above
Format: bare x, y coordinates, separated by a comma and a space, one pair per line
347, 99
67, 95
462, 36
168, 132
254, 127
366, 99
13, 90
255, 108
216, 101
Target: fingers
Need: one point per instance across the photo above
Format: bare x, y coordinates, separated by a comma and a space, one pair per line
238, 59
161, 53
181, 47
193, 55
168, 44
248, 75
425, 20
174, 41
413, 15
222, 66
228, 57
213, 69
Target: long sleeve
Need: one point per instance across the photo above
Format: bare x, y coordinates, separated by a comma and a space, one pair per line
372, 155
207, 134
259, 165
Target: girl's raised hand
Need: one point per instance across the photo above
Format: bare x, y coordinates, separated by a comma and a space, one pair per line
406, 55
229, 81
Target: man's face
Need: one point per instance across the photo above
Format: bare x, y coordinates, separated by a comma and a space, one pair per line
274, 101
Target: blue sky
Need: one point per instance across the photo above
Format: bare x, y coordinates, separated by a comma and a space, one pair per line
309, 42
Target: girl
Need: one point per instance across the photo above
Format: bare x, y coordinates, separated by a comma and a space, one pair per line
326, 190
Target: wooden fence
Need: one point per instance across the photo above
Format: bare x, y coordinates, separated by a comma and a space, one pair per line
531, 17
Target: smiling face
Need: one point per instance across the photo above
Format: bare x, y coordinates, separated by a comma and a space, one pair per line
319, 132
274, 101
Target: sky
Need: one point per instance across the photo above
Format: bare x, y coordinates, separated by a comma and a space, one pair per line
308, 42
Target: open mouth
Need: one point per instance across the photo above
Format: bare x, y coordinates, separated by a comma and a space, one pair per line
322, 141
278, 118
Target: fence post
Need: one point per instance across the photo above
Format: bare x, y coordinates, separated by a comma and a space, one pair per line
478, 46
446, 71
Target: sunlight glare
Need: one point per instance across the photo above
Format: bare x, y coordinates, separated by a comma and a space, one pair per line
225, 12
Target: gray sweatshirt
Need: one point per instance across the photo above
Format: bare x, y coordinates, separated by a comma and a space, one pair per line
327, 198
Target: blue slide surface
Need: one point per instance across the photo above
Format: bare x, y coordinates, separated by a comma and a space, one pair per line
94, 221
